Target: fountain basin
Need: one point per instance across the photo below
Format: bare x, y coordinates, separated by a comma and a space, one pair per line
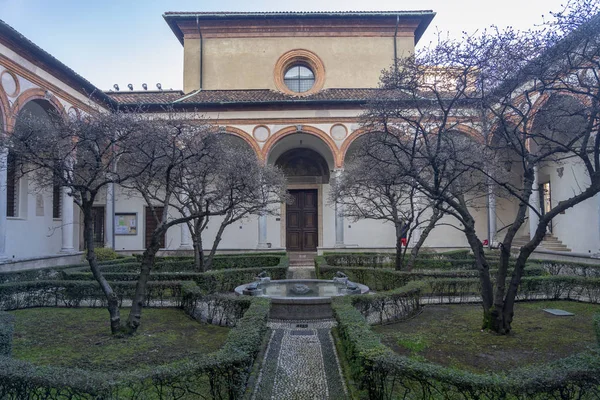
300, 298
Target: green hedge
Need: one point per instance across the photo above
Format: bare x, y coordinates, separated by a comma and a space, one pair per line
216, 309
54, 272
6, 333
386, 307
382, 374
568, 268
18, 295
220, 375
249, 260
219, 281
386, 279
448, 260
597, 327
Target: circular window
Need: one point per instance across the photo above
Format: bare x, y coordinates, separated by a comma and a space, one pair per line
299, 72
299, 78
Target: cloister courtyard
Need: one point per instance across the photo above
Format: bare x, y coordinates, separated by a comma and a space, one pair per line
326, 209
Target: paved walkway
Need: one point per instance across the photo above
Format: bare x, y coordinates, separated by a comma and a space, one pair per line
300, 363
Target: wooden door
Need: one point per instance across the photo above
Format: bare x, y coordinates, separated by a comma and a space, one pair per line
301, 221
151, 226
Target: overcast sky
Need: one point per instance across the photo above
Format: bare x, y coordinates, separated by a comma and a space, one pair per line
116, 41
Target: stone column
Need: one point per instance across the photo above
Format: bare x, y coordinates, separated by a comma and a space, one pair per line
534, 201
491, 213
3, 201
109, 219
68, 226
416, 234
339, 220
262, 231
185, 238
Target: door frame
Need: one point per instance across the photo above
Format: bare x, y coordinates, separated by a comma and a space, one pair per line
283, 226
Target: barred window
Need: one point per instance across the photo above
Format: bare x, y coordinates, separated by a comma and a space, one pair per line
11, 186
299, 78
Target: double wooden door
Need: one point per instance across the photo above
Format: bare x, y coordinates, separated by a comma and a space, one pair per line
301, 221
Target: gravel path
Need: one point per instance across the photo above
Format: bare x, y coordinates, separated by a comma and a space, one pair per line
300, 363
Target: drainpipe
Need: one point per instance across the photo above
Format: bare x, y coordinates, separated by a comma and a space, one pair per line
396, 47
201, 58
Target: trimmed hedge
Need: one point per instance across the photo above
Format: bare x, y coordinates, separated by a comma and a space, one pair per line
250, 260
6, 333
597, 327
18, 295
225, 280
215, 309
54, 272
448, 260
568, 268
382, 374
387, 279
218, 375
387, 307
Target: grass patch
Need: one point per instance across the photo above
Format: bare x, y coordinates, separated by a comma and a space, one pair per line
80, 337
449, 335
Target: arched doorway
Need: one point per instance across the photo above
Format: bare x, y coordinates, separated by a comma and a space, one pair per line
307, 162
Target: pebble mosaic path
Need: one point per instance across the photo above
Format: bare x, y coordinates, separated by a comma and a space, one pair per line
300, 363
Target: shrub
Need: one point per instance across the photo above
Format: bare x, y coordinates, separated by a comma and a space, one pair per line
219, 281
216, 309
555, 267
18, 295
6, 333
55, 272
105, 254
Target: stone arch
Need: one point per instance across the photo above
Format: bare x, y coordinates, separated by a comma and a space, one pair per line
544, 98
311, 130
349, 140
36, 94
4, 112
469, 131
246, 137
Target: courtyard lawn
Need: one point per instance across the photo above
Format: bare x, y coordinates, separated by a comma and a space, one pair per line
449, 335
80, 337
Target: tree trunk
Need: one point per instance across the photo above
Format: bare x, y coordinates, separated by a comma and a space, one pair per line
226, 222
435, 217
398, 253
487, 289
111, 297
198, 246
135, 315
501, 317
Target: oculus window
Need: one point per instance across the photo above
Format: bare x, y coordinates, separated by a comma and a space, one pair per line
299, 78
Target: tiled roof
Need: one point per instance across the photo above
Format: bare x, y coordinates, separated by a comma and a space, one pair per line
171, 17
146, 97
298, 13
249, 97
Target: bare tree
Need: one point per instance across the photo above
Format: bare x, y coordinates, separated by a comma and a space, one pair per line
369, 189
493, 83
165, 159
79, 155
237, 185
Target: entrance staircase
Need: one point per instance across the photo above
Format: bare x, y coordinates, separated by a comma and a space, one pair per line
302, 265
548, 243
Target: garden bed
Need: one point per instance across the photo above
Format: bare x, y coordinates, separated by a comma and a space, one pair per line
80, 337
448, 335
